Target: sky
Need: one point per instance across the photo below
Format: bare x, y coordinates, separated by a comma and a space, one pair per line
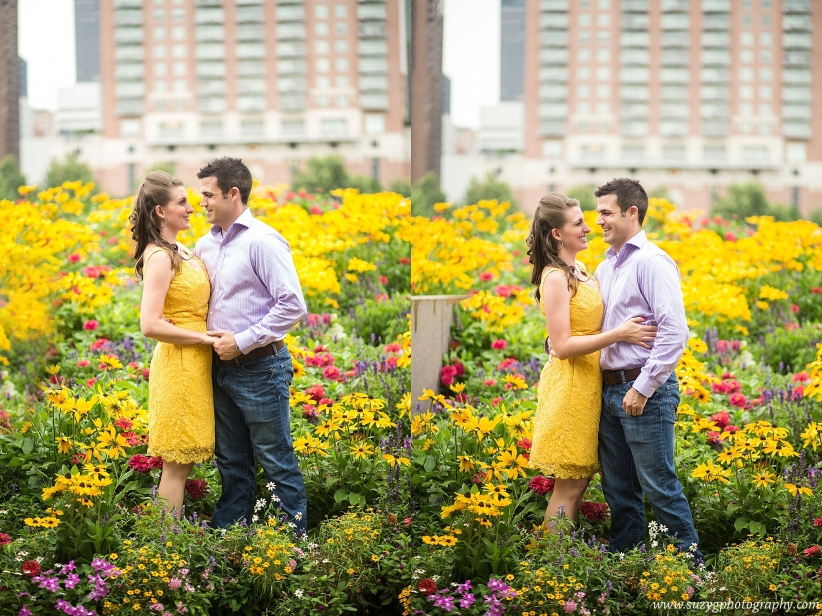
471, 56
46, 43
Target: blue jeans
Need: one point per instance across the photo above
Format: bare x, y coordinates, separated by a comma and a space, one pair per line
637, 455
253, 416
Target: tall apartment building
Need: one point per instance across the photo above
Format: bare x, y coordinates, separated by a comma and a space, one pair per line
273, 82
512, 50
87, 36
425, 65
692, 95
9, 81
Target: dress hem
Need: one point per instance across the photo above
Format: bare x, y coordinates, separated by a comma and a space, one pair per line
183, 456
564, 471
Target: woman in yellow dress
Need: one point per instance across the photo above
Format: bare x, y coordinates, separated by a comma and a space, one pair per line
176, 291
570, 386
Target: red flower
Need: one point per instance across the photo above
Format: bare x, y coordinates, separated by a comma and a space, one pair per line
595, 512
459, 367
816, 290
380, 297
315, 209
794, 308
798, 393
713, 438
405, 261
156, 461
90, 383
721, 419
499, 344
315, 391
140, 463
383, 280
505, 364
811, 551
542, 485
98, 344
801, 377
525, 444
496, 401
818, 521
728, 375
146, 372
731, 428
738, 400
197, 488
730, 236
489, 382
74, 257
486, 276
394, 347
91, 325
461, 397
31, 568
331, 372
122, 423
427, 585
4, 539
326, 401
447, 374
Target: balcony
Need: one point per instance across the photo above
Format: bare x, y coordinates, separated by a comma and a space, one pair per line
291, 13
552, 111
553, 73
712, 128
552, 129
634, 6
209, 2
715, 58
290, 84
553, 92
129, 72
674, 75
374, 83
634, 75
370, 66
210, 70
796, 130
128, 35
128, 4
713, 110
371, 12
254, 50
674, 111
129, 107
286, 67
290, 49
796, 94
635, 57
553, 5
553, 56
796, 6
797, 59
210, 51
715, 94
634, 39
675, 93
375, 47
716, 22
374, 101
672, 57
553, 21
210, 15
673, 128
716, 39
675, 21
250, 32
716, 6
714, 75
797, 40
246, 14
292, 102
634, 21
675, 6
553, 38
796, 112
796, 77
634, 128
372, 30
677, 39
128, 18
633, 93
290, 31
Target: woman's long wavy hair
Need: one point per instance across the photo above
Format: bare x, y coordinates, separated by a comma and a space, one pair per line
145, 224
543, 249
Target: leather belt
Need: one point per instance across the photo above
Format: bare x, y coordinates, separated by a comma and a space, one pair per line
615, 377
258, 353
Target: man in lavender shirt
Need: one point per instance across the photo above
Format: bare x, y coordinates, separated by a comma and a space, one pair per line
255, 299
640, 391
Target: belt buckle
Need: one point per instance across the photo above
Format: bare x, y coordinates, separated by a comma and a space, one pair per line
622, 376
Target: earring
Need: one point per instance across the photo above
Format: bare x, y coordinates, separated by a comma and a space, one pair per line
162, 223
561, 245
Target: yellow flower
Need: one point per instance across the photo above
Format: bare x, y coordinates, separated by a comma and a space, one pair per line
794, 490
763, 478
710, 472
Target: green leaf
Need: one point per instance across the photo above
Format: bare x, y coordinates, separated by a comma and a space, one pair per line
758, 528
340, 495
430, 463
28, 446
356, 499
741, 523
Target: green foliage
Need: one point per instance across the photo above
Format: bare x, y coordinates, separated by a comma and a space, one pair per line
402, 186
816, 216
585, 195
167, 166
488, 189
69, 170
324, 174
378, 322
11, 178
425, 194
744, 200
790, 350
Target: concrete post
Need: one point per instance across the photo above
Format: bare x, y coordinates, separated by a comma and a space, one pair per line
431, 320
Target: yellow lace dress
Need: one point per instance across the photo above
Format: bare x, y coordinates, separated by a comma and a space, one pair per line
180, 399
570, 398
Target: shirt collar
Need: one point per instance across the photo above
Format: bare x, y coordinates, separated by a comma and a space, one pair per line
638, 241
244, 220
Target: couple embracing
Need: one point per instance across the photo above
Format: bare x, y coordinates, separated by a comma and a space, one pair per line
220, 373
609, 393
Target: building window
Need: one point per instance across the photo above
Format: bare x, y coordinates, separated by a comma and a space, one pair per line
341, 28
131, 128
374, 124
715, 153
160, 69
603, 90
755, 153
765, 109
584, 55
341, 64
765, 74
341, 46
322, 65
765, 56
179, 69
603, 107
633, 152
334, 126
583, 107
179, 50
796, 152
746, 20
252, 128
765, 92
322, 82
584, 19
159, 33
321, 47
746, 74
603, 20
178, 14
340, 10
746, 56
583, 90
592, 151
603, 72
178, 32
673, 152
159, 15
321, 11
766, 38
584, 72
160, 86
746, 92
293, 127
211, 129
746, 38
171, 130
766, 20
321, 28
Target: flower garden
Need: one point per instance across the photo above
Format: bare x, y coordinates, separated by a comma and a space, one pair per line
415, 506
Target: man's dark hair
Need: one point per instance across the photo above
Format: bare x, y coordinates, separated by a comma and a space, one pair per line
628, 192
230, 173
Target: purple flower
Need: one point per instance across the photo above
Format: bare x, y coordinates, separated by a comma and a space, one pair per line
25, 611
467, 600
464, 588
570, 606
445, 602
72, 579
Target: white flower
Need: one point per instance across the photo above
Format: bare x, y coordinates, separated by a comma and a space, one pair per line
663, 529
259, 504
22, 553
3, 511
654, 543
271, 486
254, 518
622, 556
325, 561
692, 547
298, 593
275, 498
298, 515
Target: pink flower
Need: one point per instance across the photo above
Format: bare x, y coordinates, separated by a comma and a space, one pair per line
570, 606
794, 308
713, 437
98, 344
74, 257
380, 297
394, 347
140, 463
496, 401
83, 363
738, 400
489, 382
721, 419
315, 391
4, 539
91, 325
499, 344
811, 551
818, 521
174, 583
315, 209
485, 276
542, 485
122, 423
383, 280
91, 382
525, 443
801, 377
331, 372
730, 236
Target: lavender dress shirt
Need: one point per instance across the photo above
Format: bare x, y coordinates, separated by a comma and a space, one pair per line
641, 280
255, 292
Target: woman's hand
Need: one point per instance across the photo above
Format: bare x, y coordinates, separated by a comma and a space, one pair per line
209, 340
631, 331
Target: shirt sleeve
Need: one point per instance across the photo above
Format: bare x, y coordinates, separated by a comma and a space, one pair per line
272, 263
659, 283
